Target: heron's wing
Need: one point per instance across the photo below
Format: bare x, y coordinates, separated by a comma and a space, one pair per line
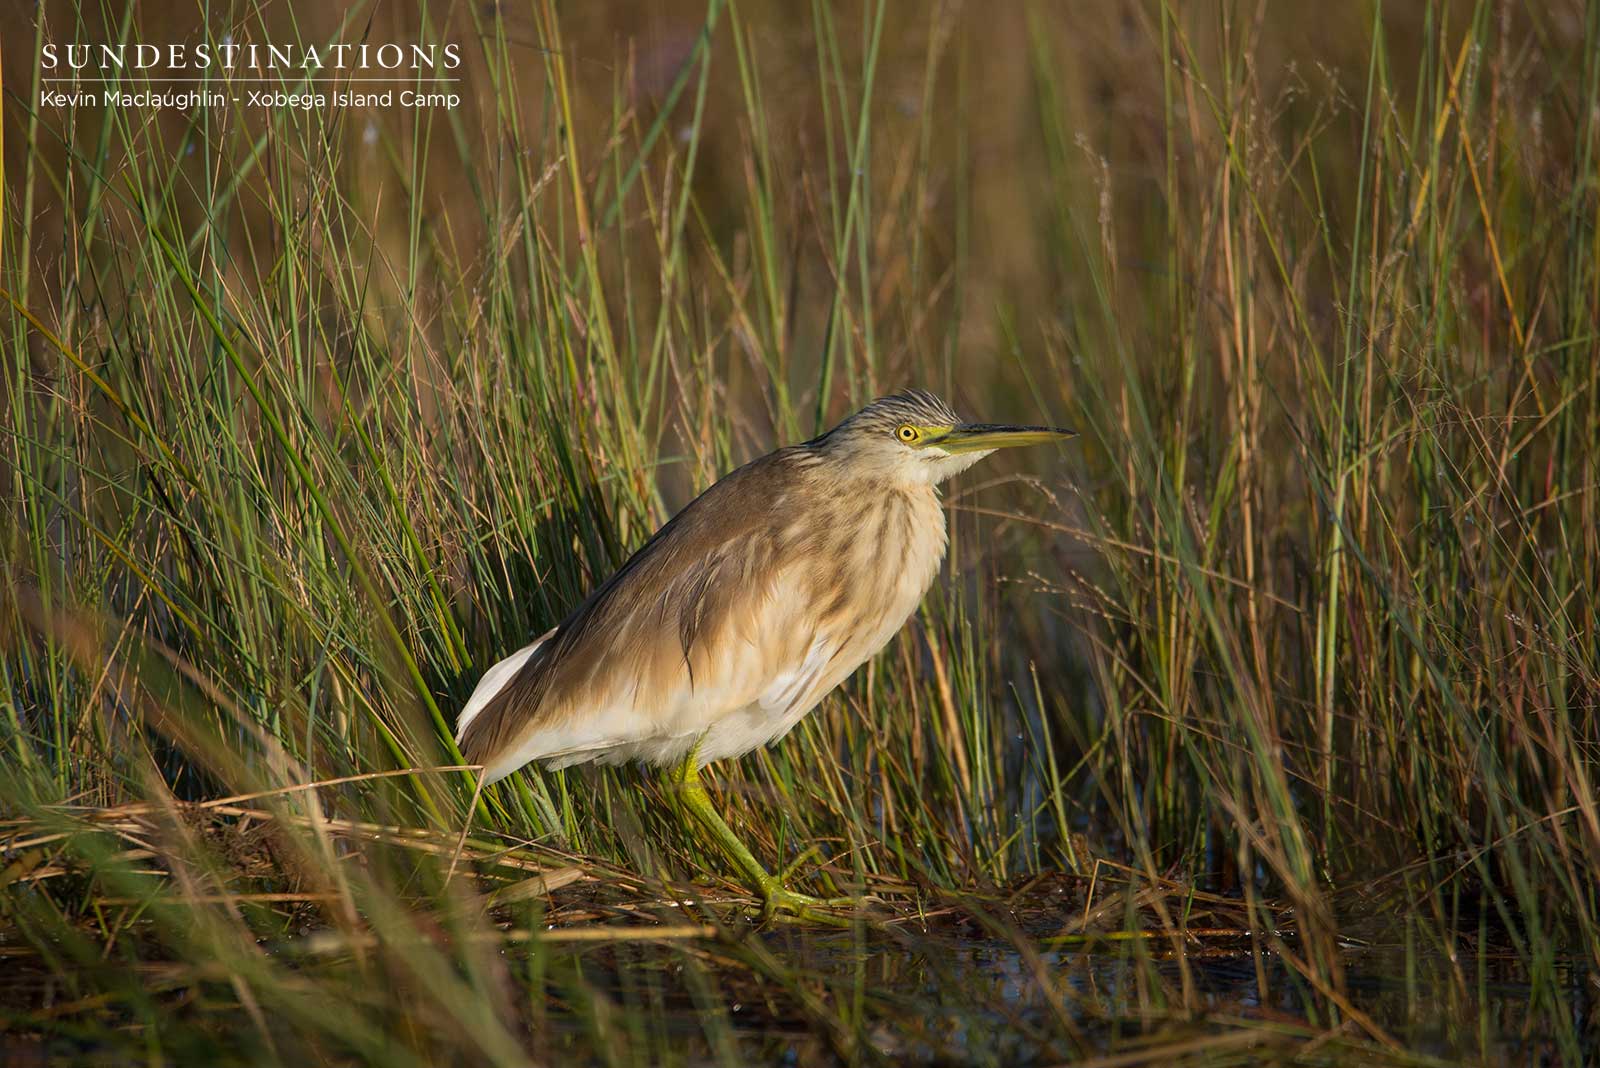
702, 619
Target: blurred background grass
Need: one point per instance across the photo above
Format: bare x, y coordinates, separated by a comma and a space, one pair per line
310, 416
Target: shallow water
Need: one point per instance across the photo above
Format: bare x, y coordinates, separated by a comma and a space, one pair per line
948, 993
968, 999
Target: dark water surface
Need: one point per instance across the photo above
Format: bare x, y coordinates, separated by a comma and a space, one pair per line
955, 996
959, 999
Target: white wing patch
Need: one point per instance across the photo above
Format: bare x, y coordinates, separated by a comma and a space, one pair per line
494, 680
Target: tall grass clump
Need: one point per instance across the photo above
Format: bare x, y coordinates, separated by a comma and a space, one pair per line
311, 415
1348, 523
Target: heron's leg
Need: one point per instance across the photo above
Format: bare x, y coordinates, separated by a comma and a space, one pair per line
692, 794
684, 781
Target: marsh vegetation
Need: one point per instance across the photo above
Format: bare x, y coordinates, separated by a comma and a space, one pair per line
1261, 726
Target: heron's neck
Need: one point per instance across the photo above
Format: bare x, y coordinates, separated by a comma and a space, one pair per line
887, 538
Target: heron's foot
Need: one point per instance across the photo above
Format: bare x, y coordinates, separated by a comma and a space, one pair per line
778, 900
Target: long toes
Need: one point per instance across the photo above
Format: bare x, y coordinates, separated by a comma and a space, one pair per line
778, 900
824, 902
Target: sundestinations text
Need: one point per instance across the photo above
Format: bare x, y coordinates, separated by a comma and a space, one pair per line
229, 55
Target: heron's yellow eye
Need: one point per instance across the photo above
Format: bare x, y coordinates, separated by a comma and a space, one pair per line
908, 433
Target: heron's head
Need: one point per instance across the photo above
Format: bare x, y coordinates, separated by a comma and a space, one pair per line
915, 437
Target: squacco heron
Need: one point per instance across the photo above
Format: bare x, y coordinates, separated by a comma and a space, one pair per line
741, 613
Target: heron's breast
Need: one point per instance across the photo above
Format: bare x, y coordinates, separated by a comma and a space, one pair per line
882, 574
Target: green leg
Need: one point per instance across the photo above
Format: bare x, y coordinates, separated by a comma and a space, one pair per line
684, 783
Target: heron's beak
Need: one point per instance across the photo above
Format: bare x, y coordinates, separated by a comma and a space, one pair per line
983, 437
